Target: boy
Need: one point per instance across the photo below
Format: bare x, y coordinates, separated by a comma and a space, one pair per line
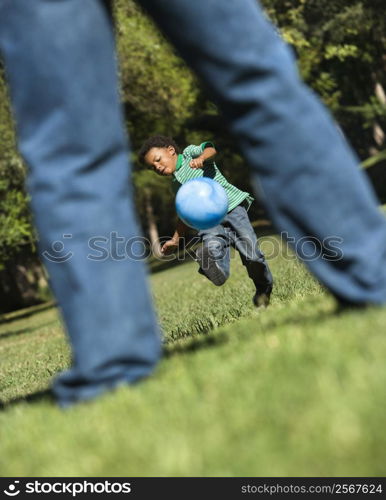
161, 153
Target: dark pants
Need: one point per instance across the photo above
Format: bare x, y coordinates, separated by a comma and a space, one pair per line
237, 231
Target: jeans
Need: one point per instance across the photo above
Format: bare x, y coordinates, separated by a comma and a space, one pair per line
61, 68
60, 62
237, 231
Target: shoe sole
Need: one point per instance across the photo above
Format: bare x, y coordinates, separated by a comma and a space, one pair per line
210, 269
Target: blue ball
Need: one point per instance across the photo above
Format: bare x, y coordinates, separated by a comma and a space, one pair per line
201, 203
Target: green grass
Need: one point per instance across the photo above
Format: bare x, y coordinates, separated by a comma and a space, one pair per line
295, 390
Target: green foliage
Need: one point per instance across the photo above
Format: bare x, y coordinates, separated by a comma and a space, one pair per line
15, 221
370, 112
158, 90
340, 48
374, 160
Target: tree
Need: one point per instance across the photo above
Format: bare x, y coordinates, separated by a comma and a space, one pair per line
341, 48
158, 90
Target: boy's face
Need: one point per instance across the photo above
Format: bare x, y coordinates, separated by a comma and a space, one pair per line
162, 160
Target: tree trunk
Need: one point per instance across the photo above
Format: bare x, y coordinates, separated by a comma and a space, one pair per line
21, 281
378, 132
152, 226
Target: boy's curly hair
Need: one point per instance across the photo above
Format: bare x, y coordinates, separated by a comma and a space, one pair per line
156, 141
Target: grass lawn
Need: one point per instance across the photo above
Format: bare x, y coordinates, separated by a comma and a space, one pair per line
294, 390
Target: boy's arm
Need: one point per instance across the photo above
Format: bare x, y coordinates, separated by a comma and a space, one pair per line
208, 153
171, 245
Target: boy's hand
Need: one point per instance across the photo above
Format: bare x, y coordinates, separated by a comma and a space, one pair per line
169, 247
197, 162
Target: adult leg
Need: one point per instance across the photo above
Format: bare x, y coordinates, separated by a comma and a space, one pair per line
301, 165
60, 62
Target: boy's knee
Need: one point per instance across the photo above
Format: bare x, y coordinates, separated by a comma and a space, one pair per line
216, 247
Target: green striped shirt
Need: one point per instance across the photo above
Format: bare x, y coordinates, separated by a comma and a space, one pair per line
184, 173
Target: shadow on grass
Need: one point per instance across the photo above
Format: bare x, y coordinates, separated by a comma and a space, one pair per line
13, 333
316, 315
300, 318
36, 397
189, 345
156, 266
192, 345
25, 313
184, 346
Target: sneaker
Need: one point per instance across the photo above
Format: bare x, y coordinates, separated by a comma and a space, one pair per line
209, 267
261, 299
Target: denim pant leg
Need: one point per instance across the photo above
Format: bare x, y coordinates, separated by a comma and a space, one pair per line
217, 240
245, 241
60, 63
301, 166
